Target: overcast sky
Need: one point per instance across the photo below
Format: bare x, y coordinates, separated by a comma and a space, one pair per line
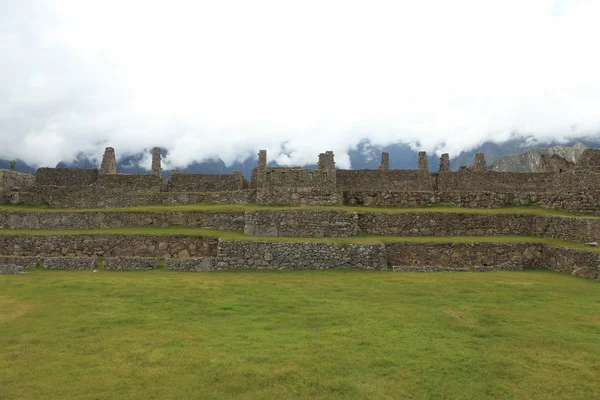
227, 78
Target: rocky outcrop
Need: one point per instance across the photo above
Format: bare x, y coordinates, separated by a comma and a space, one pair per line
529, 160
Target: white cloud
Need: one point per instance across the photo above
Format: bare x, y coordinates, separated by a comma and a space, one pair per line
209, 79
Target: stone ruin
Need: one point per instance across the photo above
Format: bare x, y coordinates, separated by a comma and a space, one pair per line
562, 185
109, 162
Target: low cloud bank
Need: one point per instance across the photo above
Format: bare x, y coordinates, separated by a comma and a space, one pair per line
213, 80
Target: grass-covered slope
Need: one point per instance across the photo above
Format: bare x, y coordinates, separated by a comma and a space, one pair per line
206, 207
317, 335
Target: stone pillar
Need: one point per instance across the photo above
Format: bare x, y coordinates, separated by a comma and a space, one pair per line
385, 161
262, 159
156, 167
109, 162
423, 163
480, 164
326, 161
444, 163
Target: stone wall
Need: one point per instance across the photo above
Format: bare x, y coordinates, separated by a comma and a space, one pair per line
97, 220
206, 182
320, 223
382, 180
107, 245
129, 263
65, 176
12, 179
511, 182
25, 262
589, 160
131, 182
579, 202
295, 186
455, 224
577, 262
70, 262
459, 255
99, 197
203, 254
277, 255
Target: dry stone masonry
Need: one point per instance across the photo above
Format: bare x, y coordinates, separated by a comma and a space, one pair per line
109, 162
130, 263
70, 262
562, 185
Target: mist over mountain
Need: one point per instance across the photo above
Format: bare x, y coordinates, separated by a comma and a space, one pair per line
513, 155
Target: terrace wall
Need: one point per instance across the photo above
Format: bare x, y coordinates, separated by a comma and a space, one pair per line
301, 223
66, 176
458, 255
277, 255
99, 220
101, 197
107, 245
321, 223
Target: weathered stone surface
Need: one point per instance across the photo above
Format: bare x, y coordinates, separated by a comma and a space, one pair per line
385, 161
107, 245
444, 163
130, 263
464, 255
156, 165
109, 162
70, 262
12, 180
427, 268
190, 264
25, 262
11, 269
66, 176
423, 163
277, 255
320, 223
96, 220
480, 164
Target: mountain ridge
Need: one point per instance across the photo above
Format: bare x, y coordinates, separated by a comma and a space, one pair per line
513, 155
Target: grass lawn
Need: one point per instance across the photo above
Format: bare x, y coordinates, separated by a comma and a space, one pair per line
299, 334
209, 207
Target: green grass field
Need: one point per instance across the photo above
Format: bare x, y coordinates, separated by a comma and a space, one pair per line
299, 334
208, 207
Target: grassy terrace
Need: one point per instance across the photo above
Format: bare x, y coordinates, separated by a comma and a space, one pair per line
361, 239
299, 334
206, 207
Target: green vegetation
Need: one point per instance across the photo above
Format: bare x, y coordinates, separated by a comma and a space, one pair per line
208, 207
299, 334
362, 239
12, 164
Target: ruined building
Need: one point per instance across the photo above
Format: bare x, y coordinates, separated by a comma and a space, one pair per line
562, 185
